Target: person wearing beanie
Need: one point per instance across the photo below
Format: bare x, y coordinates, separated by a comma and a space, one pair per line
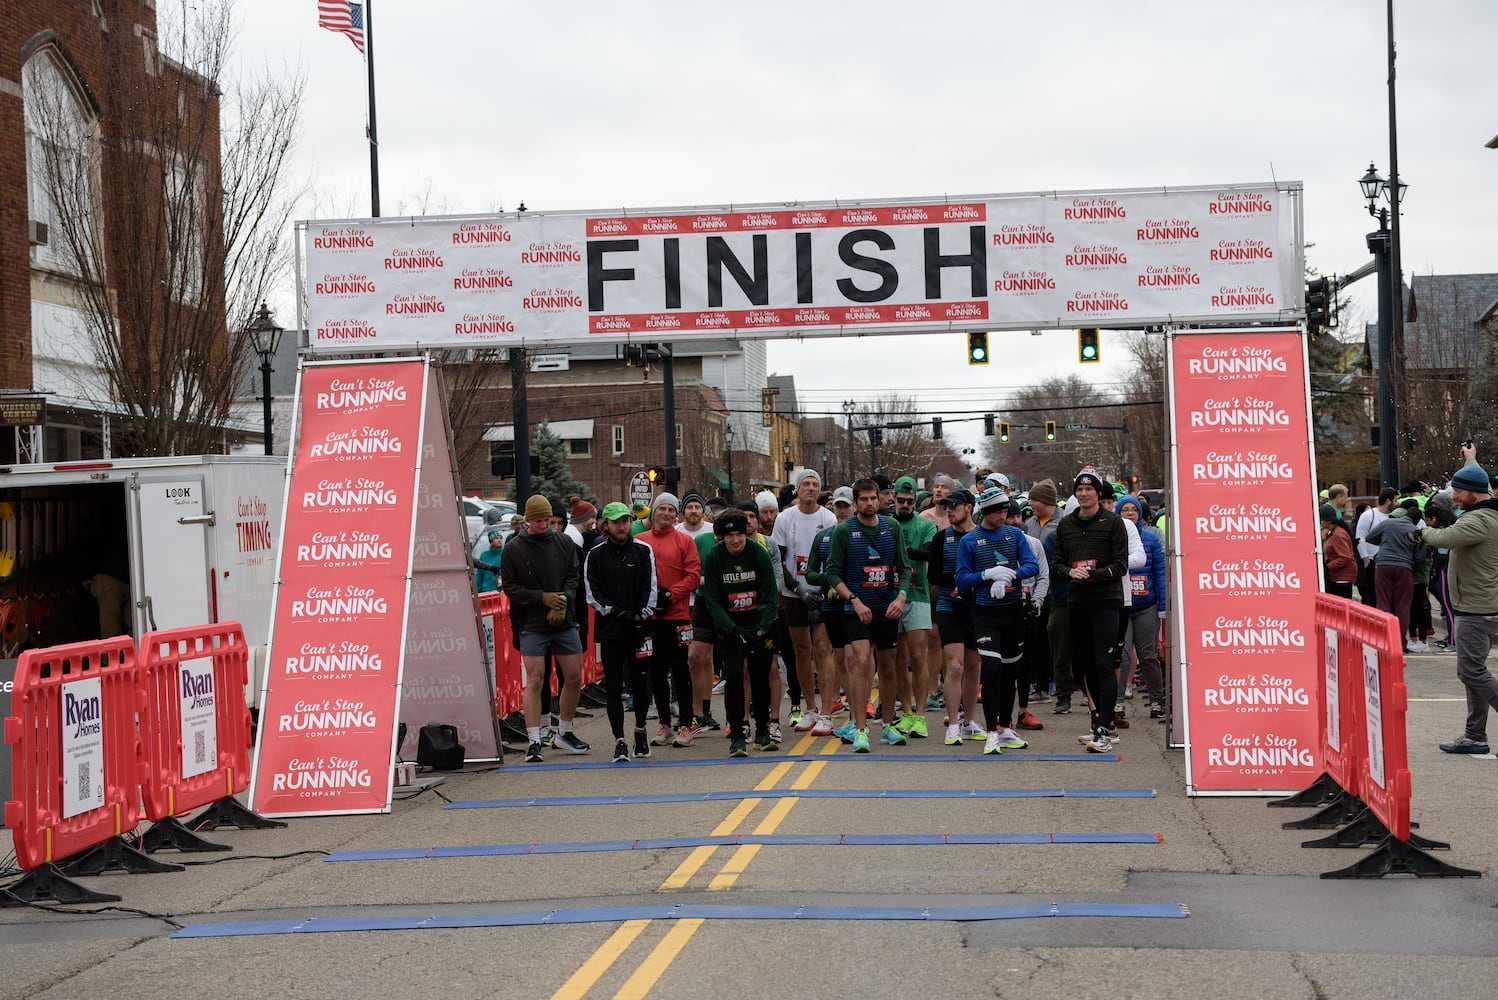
993, 560
1147, 606
738, 606
1394, 565
1336, 554
954, 623
915, 621
767, 506
539, 568
693, 515
886, 494
832, 612
940, 490
582, 523
560, 514
869, 569
619, 573
793, 534
1092, 552
486, 566
1043, 501
767, 510
1472, 579
678, 572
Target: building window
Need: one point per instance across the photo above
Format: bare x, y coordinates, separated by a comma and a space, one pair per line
579, 448
182, 202
59, 163
618, 440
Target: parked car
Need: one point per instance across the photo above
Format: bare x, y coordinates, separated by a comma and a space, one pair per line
474, 509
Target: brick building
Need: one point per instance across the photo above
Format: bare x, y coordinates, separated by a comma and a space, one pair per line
83, 63
610, 418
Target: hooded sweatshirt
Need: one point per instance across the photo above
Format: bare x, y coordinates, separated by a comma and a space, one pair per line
1391, 535
533, 565
1147, 582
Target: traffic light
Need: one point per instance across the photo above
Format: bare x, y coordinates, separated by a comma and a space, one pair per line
634, 355
655, 474
936, 428
1004, 431
977, 349
988, 424
876, 436
1318, 301
1087, 346
1050, 430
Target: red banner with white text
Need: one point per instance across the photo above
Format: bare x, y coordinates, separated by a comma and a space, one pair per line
1247, 559
332, 686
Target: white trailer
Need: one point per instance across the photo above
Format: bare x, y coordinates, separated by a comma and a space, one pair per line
193, 538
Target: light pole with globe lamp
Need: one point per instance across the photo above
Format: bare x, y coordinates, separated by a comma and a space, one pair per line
265, 336
728, 455
1381, 245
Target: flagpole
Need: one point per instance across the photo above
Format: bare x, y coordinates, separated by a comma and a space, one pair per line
374, 142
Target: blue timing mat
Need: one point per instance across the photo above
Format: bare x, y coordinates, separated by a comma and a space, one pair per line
739, 839
615, 914
777, 758
659, 798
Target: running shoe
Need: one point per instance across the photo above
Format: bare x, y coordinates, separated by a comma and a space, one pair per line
1157, 710
737, 746
571, 743
1011, 740
804, 722
837, 708
1128, 692
697, 728
718, 687
992, 744
642, 743
933, 703
796, 714
974, 731
683, 737
662, 737
823, 726
533, 754
870, 710
906, 721
765, 742
1040, 694
1419, 647
775, 732
1119, 722
710, 723
861, 741
954, 736
548, 737
1063, 704
1027, 720
892, 737
1464, 744
621, 752
1086, 738
846, 732
917, 730
1101, 742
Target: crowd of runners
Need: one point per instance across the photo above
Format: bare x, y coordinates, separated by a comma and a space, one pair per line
972, 601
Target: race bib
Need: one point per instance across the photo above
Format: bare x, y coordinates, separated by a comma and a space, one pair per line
1139, 586
647, 647
742, 601
1084, 564
801, 565
683, 634
875, 577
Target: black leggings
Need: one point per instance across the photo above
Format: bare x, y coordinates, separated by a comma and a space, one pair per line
670, 662
1001, 649
621, 657
1094, 636
734, 656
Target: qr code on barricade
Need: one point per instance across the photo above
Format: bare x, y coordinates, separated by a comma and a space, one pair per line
86, 779
200, 747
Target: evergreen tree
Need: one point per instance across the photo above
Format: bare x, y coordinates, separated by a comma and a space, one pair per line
555, 481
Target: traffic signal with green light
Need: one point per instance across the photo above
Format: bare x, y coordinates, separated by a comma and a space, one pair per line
1087, 346
1004, 431
977, 348
1050, 430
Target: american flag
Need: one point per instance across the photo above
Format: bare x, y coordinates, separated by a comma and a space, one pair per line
343, 17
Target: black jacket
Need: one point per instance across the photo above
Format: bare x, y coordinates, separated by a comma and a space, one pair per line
1101, 544
530, 565
620, 581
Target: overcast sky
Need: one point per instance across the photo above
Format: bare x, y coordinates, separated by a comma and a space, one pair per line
582, 105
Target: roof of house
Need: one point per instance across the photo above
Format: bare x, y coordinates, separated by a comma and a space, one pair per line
1444, 316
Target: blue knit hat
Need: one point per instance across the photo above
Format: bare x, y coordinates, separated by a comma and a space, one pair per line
1471, 477
992, 499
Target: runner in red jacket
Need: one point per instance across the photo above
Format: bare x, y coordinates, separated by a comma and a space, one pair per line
678, 571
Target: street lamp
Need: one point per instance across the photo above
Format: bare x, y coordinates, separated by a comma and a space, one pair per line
265, 335
848, 407
785, 449
728, 447
1381, 245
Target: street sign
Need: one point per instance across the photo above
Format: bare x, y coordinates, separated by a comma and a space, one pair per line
639, 490
551, 362
22, 411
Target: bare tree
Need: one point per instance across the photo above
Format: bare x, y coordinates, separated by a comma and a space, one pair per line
190, 228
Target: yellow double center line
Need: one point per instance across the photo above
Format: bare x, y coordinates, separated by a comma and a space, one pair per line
650, 970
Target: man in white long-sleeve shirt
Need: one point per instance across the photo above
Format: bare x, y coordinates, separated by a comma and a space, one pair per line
1366, 550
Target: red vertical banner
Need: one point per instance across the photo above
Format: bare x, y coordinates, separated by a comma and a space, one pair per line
446, 677
332, 685
1246, 560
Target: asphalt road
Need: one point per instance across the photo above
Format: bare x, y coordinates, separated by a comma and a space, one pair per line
1252, 917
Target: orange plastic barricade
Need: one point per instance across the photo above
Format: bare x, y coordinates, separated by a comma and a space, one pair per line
73, 775
508, 691
195, 733
1341, 716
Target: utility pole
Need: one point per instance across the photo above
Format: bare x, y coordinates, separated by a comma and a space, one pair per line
520, 425
668, 403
